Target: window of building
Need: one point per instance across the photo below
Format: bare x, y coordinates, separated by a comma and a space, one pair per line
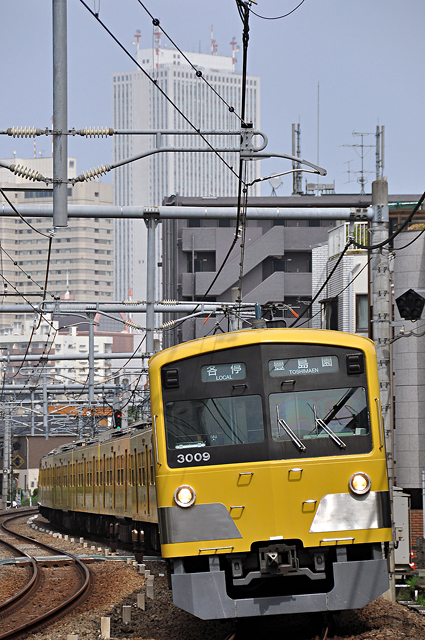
202, 261
331, 314
361, 313
194, 222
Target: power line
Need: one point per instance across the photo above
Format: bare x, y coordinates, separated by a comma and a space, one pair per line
198, 72
339, 292
395, 233
285, 15
344, 251
163, 93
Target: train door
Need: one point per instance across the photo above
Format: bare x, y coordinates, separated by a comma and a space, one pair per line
114, 476
103, 476
135, 480
125, 483
92, 479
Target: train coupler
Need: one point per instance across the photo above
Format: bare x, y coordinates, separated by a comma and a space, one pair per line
278, 559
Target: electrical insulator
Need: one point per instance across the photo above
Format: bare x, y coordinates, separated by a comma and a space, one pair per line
24, 172
89, 175
170, 323
24, 132
93, 132
168, 302
132, 324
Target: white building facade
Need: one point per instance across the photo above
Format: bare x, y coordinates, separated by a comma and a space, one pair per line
138, 105
343, 303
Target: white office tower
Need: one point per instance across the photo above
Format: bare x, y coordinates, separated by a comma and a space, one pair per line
139, 105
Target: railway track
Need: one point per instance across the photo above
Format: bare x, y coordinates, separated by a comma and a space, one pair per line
56, 582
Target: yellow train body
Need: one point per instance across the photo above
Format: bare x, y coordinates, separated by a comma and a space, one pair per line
264, 474
284, 506
89, 485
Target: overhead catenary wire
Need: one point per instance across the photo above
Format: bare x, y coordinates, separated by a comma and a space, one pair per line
411, 242
16, 264
344, 251
244, 13
285, 15
393, 235
12, 206
198, 72
339, 292
159, 88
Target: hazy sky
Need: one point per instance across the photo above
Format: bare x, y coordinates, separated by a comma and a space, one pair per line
367, 55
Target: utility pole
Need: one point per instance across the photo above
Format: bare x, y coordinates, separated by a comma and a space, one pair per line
151, 222
6, 457
381, 321
45, 406
60, 114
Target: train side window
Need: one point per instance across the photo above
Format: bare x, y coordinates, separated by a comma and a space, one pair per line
121, 471
143, 468
139, 460
152, 471
131, 470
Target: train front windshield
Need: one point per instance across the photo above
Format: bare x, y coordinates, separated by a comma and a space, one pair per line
265, 402
214, 422
314, 414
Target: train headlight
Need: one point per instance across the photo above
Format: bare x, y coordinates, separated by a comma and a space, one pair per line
185, 496
360, 483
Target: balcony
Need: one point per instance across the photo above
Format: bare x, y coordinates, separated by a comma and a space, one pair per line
338, 237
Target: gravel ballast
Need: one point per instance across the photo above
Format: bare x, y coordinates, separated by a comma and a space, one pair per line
117, 583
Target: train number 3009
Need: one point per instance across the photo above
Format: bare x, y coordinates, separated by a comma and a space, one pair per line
193, 457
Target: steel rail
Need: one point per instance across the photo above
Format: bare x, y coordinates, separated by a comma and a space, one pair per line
34, 579
55, 612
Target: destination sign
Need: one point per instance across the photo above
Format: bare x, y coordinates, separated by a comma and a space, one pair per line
222, 372
303, 366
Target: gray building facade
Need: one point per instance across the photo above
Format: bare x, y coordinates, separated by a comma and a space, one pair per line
277, 261
409, 367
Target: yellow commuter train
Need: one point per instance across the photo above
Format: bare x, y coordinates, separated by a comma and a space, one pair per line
270, 469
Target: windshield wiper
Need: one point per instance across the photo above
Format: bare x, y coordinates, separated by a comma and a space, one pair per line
295, 439
320, 423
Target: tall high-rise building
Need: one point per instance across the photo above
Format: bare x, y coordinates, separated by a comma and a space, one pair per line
82, 254
138, 105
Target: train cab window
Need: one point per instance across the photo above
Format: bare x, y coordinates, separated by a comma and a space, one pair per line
308, 415
214, 422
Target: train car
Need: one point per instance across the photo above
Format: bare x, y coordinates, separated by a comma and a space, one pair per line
88, 486
271, 472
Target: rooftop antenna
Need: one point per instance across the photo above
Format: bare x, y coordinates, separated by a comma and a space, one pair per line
235, 50
380, 150
137, 35
348, 171
297, 187
362, 179
214, 45
318, 123
157, 42
275, 183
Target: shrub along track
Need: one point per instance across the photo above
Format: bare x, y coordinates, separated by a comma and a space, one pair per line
57, 583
